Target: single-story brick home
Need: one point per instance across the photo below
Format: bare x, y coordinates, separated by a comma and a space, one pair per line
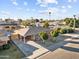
30, 33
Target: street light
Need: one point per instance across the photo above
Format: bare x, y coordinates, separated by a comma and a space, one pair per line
49, 15
74, 21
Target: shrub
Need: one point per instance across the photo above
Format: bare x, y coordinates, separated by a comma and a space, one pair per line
1, 48
46, 25
63, 31
58, 29
54, 34
6, 46
43, 36
70, 30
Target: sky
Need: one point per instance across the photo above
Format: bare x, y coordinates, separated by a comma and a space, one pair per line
27, 9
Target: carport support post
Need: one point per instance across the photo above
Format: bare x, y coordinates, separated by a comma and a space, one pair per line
24, 40
6, 42
34, 38
18, 36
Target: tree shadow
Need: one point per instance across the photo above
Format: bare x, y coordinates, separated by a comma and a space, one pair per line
73, 42
70, 49
53, 46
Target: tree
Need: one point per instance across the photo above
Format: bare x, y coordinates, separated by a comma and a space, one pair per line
41, 20
37, 20
54, 34
72, 22
68, 21
19, 20
46, 24
7, 20
43, 36
25, 23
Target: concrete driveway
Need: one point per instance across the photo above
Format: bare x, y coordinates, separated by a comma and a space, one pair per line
68, 51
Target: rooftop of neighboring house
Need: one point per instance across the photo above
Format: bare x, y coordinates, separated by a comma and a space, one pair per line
8, 23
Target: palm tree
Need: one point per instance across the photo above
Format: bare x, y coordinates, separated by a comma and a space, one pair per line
49, 12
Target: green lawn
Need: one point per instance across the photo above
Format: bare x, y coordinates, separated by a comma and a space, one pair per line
12, 53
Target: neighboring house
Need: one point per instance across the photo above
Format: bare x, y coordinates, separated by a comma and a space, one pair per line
3, 37
8, 26
30, 33
3, 40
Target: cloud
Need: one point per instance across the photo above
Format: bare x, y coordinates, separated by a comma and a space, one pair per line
44, 3
75, 0
19, 8
27, 9
72, 0
15, 3
63, 6
52, 10
33, 10
66, 7
69, 0
13, 0
39, 1
64, 10
50, 1
25, 3
69, 6
5, 12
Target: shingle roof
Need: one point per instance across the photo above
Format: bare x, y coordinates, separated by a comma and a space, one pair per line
31, 31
